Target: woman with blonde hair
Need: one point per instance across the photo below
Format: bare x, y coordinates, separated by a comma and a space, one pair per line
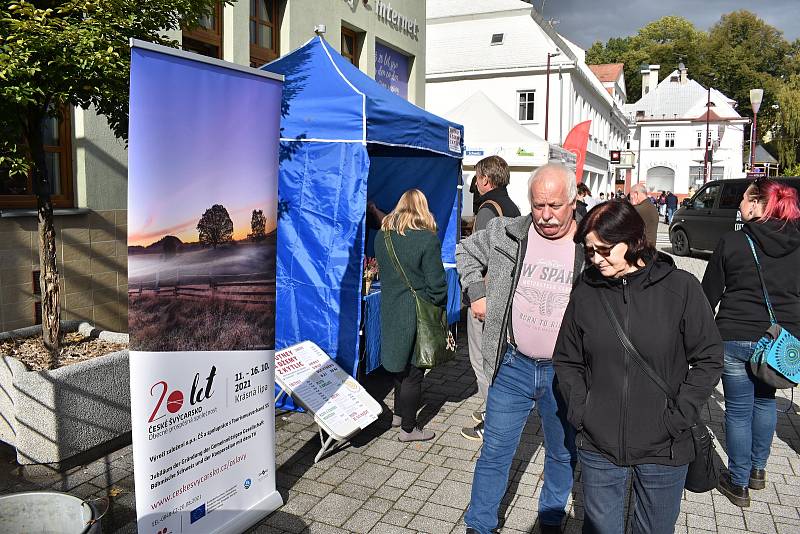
408, 253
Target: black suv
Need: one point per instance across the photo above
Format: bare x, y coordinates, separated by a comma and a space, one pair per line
713, 210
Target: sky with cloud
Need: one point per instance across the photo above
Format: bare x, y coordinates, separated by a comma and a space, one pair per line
585, 21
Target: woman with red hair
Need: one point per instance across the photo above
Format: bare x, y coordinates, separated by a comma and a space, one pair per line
772, 221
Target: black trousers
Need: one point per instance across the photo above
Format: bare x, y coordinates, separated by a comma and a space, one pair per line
407, 395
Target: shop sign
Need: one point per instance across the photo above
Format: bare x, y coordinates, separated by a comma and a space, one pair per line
398, 21
391, 70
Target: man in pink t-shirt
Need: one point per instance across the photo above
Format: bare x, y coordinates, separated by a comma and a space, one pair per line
518, 273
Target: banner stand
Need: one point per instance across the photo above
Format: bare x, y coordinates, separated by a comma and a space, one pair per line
202, 241
341, 406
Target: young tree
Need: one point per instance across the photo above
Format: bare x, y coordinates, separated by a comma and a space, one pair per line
60, 53
258, 226
215, 226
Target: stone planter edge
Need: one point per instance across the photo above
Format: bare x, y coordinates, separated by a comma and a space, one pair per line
51, 416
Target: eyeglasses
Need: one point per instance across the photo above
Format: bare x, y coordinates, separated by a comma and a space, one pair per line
603, 251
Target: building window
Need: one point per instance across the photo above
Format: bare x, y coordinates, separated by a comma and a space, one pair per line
628, 142
699, 138
669, 139
206, 37
655, 139
526, 108
350, 48
264, 32
17, 191
497, 38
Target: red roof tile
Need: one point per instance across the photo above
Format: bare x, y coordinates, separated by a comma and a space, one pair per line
608, 72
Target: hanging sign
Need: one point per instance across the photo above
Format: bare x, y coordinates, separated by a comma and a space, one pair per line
391, 70
202, 203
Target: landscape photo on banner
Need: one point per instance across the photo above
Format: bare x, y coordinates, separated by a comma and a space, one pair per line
202, 209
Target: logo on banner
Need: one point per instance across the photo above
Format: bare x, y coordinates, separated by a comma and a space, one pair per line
197, 514
199, 392
247, 483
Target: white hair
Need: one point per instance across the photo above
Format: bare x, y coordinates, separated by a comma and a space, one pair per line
639, 188
567, 174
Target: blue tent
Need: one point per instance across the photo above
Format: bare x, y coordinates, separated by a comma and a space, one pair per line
344, 140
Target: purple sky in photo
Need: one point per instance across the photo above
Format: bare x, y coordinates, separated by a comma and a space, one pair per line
198, 138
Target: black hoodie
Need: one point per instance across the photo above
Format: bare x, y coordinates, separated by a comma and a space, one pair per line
618, 410
731, 278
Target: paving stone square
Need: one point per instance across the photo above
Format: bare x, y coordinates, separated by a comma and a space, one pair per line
378, 484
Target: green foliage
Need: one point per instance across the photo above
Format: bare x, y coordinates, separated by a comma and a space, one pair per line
787, 130
793, 170
740, 52
75, 52
665, 42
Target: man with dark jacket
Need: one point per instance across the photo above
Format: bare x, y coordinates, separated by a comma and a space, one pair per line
518, 274
647, 211
672, 206
491, 179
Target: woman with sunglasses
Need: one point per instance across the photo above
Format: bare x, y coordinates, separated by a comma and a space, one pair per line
772, 220
627, 425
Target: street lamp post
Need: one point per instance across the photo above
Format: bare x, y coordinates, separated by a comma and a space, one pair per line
756, 95
706, 167
547, 93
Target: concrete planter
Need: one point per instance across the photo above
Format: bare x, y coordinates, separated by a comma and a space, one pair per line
70, 413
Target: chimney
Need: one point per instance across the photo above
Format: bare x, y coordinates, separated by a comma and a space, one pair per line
645, 70
683, 74
653, 78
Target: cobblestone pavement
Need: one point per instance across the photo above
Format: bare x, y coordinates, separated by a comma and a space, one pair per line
377, 484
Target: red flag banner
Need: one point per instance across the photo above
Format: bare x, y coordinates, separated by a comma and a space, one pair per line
576, 142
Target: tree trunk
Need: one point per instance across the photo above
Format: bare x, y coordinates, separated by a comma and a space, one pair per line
48, 278
48, 274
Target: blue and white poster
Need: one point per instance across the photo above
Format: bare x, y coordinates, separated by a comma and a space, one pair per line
202, 220
391, 70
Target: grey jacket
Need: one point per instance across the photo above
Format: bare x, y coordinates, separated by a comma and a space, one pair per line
496, 254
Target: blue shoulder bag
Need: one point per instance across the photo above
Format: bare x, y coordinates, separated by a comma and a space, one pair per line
776, 359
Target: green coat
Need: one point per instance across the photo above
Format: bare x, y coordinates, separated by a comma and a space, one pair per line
420, 255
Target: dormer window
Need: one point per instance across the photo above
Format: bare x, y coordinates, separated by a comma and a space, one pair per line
497, 38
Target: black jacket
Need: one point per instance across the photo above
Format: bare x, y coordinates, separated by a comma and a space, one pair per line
672, 201
731, 278
618, 410
499, 195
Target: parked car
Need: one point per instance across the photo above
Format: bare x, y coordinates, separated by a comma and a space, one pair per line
713, 210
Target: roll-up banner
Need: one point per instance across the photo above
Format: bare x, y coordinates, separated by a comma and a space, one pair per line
202, 216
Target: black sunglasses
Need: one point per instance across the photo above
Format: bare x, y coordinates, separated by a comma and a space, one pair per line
603, 251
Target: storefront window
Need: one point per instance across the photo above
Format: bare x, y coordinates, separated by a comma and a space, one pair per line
350, 46
16, 191
206, 37
264, 31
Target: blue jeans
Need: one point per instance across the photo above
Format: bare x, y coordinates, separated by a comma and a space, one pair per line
750, 415
670, 213
657, 492
522, 383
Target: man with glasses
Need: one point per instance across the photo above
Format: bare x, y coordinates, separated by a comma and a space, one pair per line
647, 211
518, 274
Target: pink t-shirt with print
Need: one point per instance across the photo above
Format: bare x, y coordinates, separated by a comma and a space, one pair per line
542, 294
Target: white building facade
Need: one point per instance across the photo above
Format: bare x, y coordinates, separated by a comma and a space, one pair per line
671, 121
501, 47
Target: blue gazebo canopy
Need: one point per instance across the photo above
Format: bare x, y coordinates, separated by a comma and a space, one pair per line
346, 140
